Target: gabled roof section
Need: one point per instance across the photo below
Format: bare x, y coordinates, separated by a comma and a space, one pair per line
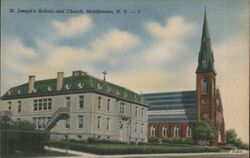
206, 58
72, 84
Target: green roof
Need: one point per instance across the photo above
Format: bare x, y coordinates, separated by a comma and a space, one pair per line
206, 58
72, 84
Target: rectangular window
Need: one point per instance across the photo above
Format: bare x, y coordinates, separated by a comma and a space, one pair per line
121, 125
108, 122
45, 105
99, 102
136, 110
135, 127
142, 112
81, 102
99, 122
142, 127
49, 118
49, 104
67, 102
67, 123
35, 105
19, 106
80, 121
108, 105
40, 104
122, 108
44, 124
9, 105
39, 123
35, 121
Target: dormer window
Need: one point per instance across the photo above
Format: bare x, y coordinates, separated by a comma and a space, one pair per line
108, 89
9, 92
34, 90
136, 97
80, 85
49, 89
67, 86
125, 94
204, 88
99, 86
118, 92
19, 91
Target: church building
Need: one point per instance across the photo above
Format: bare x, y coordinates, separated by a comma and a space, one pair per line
173, 114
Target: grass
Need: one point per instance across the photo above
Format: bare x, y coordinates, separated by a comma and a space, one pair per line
45, 154
111, 149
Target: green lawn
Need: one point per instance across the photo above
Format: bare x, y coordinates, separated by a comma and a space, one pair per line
110, 149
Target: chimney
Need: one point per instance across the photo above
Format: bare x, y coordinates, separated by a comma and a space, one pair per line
59, 81
31, 83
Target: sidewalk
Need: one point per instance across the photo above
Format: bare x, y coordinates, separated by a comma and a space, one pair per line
70, 152
243, 154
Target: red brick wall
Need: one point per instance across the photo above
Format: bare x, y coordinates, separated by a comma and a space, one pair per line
206, 103
170, 125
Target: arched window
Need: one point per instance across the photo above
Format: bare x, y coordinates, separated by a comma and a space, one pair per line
177, 131
189, 131
204, 87
165, 131
153, 131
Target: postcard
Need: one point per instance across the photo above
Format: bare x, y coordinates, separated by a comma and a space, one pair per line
125, 78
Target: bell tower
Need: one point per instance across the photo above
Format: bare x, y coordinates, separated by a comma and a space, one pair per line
206, 78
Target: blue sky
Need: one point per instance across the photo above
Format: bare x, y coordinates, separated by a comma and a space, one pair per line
153, 51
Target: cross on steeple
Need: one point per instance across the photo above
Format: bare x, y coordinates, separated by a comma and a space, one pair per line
104, 75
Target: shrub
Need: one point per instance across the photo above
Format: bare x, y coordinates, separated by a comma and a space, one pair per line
166, 140
228, 147
188, 141
154, 140
94, 140
177, 140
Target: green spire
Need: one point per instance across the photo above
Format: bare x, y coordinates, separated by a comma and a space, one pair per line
206, 58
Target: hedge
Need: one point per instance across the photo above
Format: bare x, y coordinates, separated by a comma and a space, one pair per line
110, 149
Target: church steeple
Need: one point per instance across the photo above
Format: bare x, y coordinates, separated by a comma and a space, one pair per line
206, 58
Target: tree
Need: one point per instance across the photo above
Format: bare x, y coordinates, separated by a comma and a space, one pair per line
204, 131
232, 138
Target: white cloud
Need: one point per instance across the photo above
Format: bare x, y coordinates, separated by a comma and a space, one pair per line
175, 27
169, 39
15, 52
52, 58
114, 41
73, 26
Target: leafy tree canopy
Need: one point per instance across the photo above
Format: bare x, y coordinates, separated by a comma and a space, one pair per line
204, 131
232, 138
